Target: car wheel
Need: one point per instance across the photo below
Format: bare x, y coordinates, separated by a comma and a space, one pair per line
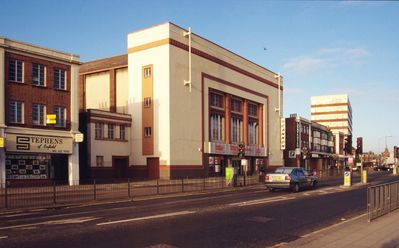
314, 184
295, 189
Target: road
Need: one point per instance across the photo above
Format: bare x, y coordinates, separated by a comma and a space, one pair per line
249, 217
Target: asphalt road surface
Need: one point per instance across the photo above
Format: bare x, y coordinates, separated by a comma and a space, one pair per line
248, 217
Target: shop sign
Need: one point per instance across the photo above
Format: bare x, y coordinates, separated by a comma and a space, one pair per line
38, 144
79, 137
232, 149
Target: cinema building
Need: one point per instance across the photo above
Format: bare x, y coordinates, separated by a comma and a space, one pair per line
186, 104
36, 82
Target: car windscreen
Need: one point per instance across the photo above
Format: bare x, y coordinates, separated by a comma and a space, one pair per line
284, 170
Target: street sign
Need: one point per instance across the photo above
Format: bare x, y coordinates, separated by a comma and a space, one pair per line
51, 119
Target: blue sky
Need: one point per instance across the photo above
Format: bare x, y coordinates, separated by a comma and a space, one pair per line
320, 48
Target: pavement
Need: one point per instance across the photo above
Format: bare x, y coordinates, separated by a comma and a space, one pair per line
357, 232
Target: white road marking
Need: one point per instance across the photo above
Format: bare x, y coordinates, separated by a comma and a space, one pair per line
261, 201
53, 222
147, 217
16, 215
3, 237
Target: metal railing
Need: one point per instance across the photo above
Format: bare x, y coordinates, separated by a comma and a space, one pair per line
382, 199
52, 194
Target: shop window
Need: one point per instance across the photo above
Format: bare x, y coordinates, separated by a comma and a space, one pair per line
15, 71
16, 112
38, 75
38, 114
99, 130
60, 115
59, 79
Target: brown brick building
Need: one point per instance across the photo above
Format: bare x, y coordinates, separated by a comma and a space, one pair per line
36, 82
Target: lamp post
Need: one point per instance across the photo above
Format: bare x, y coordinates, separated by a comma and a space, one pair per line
389, 136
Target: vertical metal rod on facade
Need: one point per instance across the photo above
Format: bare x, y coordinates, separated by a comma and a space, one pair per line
94, 189
128, 187
54, 194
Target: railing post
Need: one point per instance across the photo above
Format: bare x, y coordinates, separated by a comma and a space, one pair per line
94, 189
5, 195
157, 186
204, 184
54, 193
128, 187
182, 184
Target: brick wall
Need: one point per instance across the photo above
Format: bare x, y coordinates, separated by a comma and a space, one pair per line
30, 94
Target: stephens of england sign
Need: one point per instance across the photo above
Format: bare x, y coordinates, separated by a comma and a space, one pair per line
38, 144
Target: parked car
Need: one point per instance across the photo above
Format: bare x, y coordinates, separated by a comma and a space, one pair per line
382, 168
294, 178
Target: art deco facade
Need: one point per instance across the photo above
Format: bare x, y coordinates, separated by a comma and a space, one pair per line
191, 103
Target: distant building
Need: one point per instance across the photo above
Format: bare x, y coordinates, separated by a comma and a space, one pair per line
308, 144
333, 111
34, 82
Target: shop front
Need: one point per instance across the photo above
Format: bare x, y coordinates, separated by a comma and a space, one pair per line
30, 158
218, 156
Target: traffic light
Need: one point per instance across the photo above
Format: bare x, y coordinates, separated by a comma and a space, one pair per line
359, 145
241, 150
348, 144
396, 152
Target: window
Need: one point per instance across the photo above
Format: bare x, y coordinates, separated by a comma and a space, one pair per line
99, 161
253, 129
38, 114
237, 128
217, 101
147, 72
15, 71
110, 131
217, 127
59, 79
15, 112
122, 132
236, 106
253, 110
38, 75
60, 115
147, 132
99, 130
147, 102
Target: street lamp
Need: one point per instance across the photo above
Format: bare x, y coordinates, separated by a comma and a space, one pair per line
389, 136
